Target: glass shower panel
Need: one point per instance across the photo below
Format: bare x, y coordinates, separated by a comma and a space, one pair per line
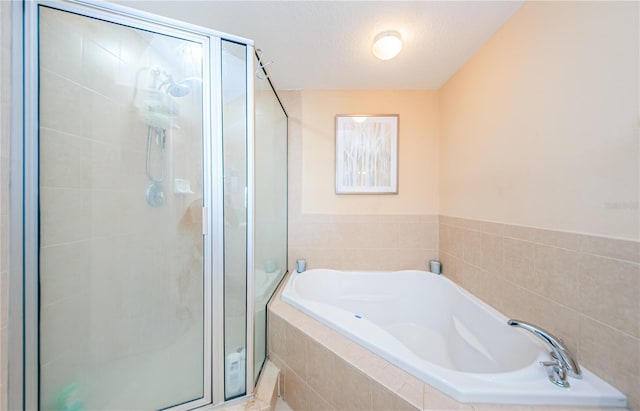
234, 148
122, 289
270, 205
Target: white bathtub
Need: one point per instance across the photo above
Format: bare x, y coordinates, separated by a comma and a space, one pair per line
443, 335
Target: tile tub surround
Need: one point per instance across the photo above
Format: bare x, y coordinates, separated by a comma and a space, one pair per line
582, 288
360, 242
322, 370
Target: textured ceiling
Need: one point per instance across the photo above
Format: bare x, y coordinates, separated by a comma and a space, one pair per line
327, 44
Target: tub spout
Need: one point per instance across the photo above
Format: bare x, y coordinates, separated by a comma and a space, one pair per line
562, 362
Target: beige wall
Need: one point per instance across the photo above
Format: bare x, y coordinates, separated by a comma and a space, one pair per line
354, 232
539, 130
417, 151
540, 127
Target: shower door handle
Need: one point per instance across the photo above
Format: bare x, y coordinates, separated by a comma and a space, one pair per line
205, 220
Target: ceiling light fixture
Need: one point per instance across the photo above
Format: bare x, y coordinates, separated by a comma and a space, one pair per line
387, 45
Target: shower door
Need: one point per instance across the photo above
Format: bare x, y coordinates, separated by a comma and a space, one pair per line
124, 288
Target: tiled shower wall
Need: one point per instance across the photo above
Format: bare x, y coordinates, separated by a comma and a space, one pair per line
581, 288
119, 280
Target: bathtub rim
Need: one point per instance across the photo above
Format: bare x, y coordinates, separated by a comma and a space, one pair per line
289, 285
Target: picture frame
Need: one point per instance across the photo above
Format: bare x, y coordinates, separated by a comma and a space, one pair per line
367, 153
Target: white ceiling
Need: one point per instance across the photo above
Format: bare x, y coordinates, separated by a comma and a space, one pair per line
327, 44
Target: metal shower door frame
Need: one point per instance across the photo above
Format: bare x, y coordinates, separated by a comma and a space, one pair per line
24, 194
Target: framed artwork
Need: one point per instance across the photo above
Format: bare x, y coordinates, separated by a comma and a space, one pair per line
367, 154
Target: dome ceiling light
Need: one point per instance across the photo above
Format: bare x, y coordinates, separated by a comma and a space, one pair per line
387, 45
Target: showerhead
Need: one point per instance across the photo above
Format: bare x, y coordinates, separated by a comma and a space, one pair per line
177, 89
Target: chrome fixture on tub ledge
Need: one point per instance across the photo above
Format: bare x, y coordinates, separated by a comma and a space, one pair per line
562, 362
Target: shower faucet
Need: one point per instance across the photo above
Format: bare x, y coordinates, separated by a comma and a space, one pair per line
562, 362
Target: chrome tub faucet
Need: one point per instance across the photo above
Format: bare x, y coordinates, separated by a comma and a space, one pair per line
562, 362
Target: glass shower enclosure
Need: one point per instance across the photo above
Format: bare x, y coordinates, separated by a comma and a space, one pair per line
136, 198
270, 225
121, 184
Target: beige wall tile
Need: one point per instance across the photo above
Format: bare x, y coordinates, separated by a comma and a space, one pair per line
64, 160
456, 241
414, 258
317, 402
468, 224
295, 391
385, 400
417, 234
101, 65
68, 96
321, 372
368, 259
61, 49
608, 247
485, 285
296, 350
495, 297
437, 400
346, 349
64, 271
426, 218
557, 239
318, 257
492, 253
472, 248
556, 274
451, 267
443, 237
320, 235
612, 355
519, 259
609, 292
364, 242
65, 215
354, 389
446, 220
492, 228
382, 234
524, 305
519, 232
392, 377
278, 362
471, 278
413, 392
317, 331
371, 364
276, 338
